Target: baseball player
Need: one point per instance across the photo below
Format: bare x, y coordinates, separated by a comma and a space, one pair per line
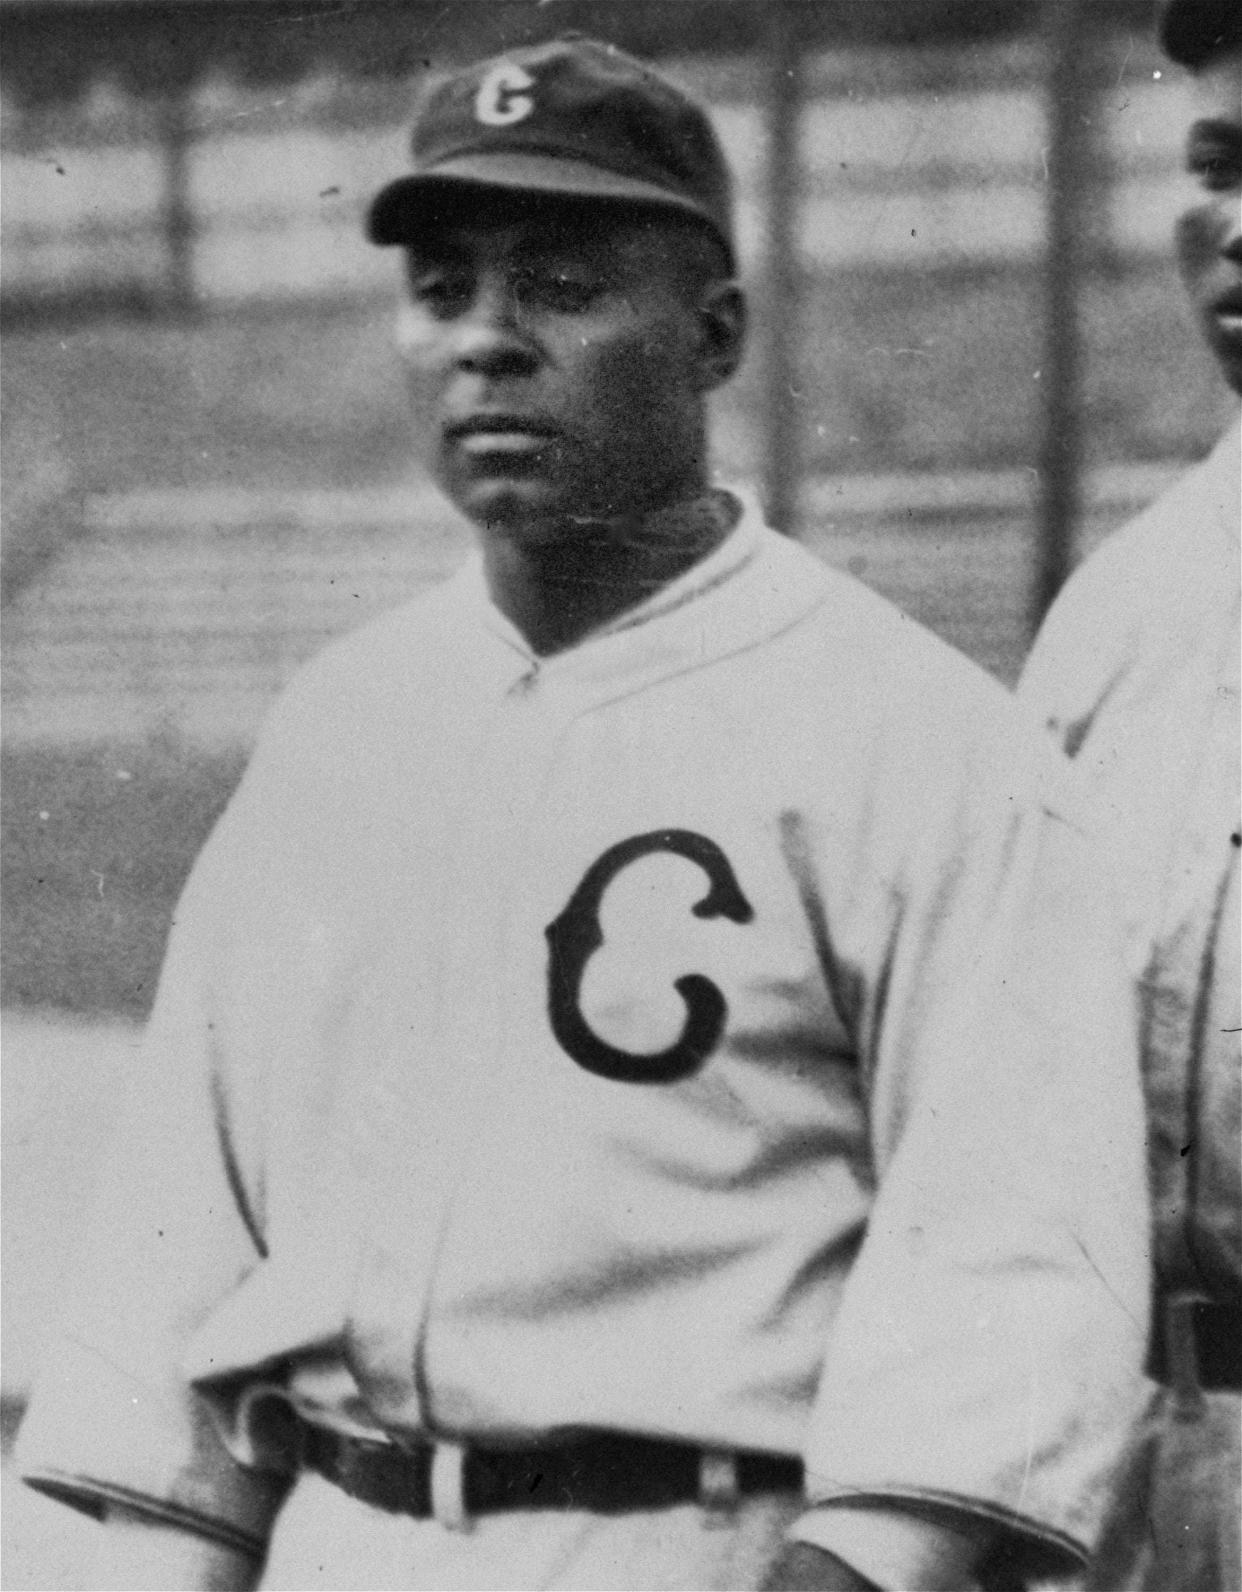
640, 1092
1137, 672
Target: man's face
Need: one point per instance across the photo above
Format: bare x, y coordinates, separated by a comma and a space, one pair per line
1209, 232
555, 361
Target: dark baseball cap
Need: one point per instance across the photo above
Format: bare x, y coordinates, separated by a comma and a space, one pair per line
575, 117
1193, 32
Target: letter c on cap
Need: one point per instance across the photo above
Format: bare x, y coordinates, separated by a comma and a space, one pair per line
502, 99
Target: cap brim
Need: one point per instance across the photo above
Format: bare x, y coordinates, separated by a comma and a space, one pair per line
400, 212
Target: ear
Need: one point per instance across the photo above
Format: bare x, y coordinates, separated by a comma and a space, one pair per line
721, 313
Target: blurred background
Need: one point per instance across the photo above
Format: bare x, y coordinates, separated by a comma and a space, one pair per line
971, 361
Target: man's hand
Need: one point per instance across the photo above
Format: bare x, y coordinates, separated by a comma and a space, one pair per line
803, 1568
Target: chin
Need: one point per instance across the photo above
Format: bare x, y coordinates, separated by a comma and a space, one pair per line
511, 511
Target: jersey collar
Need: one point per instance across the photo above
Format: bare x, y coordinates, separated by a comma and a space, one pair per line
734, 598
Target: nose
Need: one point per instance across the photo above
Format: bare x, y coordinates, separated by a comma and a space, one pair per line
491, 339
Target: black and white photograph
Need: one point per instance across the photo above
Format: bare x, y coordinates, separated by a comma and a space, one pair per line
620, 964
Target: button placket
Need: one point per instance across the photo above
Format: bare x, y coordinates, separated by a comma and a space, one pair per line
498, 849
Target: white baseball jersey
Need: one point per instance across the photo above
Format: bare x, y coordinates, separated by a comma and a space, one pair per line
1137, 673
713, 1030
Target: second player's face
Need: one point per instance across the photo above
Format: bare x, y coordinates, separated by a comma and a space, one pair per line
552, 355
1209, 232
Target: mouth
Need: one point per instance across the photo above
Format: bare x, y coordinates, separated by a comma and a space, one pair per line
1227, 313
499, 433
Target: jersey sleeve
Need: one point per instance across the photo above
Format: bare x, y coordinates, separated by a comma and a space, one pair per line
113, 1420
126, 1408
986, 1360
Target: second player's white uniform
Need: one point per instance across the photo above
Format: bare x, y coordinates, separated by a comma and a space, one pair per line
711, 1031
1136, 671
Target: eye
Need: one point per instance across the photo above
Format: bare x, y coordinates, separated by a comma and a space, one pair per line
1215, 166
442, 288
563, 289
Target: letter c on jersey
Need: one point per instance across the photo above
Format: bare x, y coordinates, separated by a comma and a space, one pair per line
502, 99
575, 936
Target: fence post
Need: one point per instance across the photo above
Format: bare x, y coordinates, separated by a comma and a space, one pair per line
1069, 97
781, 468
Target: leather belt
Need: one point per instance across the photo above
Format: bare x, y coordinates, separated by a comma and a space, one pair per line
1198, 1345
604, 1473
1218, 1346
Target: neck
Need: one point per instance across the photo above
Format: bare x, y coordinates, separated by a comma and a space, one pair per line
561, 588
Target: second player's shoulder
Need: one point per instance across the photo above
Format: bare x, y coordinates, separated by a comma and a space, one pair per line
1147, 599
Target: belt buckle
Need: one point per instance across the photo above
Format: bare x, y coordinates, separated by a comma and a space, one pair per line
448, 1486
1183, 1357
719, 1488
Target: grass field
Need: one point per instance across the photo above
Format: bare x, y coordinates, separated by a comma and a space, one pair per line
96, 844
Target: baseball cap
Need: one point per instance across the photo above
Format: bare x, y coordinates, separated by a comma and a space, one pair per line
574, 116
1194, 31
